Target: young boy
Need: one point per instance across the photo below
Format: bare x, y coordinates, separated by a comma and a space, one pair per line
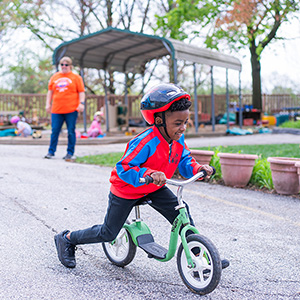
156, 152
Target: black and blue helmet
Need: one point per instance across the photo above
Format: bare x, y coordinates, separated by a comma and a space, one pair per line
159, 99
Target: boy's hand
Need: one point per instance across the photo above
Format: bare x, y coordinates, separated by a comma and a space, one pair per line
159, 178
209, 170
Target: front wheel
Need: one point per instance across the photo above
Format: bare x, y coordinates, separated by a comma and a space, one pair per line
122, 250
204, 277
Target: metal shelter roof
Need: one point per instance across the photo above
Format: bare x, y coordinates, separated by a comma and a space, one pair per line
126, 51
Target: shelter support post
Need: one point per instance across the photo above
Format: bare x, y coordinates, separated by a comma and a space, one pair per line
175, 70
143, 93
240, 101
213, 120
126, 99
227, 99
106, 102
195, 100
126, 90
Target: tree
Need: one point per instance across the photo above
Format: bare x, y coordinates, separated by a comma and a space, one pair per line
30, 73
241, 23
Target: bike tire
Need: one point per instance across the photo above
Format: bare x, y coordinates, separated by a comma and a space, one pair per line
206, 274
122, 250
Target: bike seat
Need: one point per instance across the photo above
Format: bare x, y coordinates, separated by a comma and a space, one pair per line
143, 201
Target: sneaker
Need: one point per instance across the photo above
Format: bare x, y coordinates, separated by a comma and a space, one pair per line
225, 263
69, 157
65, 250
49, 156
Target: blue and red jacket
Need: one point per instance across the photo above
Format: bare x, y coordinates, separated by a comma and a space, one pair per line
145, 154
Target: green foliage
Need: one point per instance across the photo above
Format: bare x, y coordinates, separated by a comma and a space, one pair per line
19, 13
29, 73
215, 162
290, 124
183, 12
261, 174
240, 23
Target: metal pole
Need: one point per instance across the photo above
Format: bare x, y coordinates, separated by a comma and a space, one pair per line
212, 99
106, 103
240, 102
126, 91
227, 99
175, 70
195, 99
126, 103
143, 93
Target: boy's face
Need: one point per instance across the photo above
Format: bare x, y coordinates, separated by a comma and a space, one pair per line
176, 123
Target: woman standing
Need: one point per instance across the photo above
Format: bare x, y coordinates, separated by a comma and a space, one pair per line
65, 98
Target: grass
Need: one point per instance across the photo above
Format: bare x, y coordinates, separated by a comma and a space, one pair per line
105, 160
261, 175
291, 124
264, 151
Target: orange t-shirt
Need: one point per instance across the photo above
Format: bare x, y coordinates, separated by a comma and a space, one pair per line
65, 89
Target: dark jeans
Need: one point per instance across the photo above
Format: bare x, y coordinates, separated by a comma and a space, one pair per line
57, 121
163, 200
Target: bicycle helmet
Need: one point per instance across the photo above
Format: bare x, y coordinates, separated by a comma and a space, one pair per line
14, 120
159, 99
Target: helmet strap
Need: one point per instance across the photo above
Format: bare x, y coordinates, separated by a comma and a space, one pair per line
163, 124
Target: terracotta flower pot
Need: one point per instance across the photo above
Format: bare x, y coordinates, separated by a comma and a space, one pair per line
203, 157
237, 168
284, 175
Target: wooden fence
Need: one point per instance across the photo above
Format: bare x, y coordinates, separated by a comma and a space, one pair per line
28, 103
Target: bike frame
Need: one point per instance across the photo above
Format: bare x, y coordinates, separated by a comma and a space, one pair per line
182, 222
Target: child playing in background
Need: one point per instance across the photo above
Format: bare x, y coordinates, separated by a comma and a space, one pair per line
95, 128
23, 128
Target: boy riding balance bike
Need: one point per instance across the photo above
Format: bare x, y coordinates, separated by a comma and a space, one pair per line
156, 153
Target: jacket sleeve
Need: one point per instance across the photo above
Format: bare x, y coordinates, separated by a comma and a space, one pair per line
188, 166
129, 168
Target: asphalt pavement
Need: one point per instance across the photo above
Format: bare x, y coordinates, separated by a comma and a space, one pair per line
257, 232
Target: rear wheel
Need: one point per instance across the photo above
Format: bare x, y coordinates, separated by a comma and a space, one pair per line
204, 277
122, 250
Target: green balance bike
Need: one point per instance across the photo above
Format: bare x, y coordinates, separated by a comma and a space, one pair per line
198, 260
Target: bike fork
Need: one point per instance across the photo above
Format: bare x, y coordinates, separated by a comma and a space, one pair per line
185, 245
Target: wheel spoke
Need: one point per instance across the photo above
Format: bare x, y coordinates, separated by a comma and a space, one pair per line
203, 278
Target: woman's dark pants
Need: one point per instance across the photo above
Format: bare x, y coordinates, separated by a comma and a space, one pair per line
57, 121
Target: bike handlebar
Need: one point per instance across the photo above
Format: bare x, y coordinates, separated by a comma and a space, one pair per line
148, 179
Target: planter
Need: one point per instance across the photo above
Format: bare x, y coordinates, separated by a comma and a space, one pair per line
202, 157
284, 175
237, 168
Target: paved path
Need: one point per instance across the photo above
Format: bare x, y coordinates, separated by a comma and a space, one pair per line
258, 232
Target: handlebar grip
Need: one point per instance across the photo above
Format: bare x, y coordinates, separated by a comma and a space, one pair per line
148, 179
204, 174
